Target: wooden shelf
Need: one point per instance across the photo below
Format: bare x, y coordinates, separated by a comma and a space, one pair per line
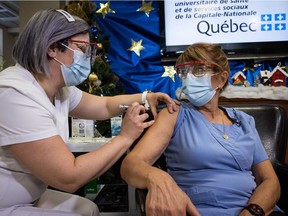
282, 103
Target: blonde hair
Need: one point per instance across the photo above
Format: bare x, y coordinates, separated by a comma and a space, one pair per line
208, 53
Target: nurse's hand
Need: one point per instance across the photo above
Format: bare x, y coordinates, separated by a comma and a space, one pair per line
134, 122
154, 99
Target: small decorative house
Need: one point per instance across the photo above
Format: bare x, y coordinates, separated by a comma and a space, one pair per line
278, 76
238, 78
264, 77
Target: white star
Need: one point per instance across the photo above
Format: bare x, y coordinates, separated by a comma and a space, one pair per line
169, 71
136, 47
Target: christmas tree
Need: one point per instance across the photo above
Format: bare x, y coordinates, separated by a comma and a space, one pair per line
102, 80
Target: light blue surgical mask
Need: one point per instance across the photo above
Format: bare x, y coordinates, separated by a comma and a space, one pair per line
78, 71
198, 90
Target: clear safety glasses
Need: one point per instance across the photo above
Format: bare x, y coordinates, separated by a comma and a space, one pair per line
88, 48
198, 69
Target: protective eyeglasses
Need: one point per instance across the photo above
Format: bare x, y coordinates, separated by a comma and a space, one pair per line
198, 69
88, 48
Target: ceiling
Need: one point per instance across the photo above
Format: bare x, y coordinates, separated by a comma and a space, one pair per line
9, 14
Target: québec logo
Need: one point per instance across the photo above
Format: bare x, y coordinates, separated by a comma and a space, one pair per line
273, 22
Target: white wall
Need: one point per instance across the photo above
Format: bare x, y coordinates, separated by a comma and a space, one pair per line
1, 49
26, 10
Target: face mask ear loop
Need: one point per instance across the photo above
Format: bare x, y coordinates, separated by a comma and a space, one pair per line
58, 61
66, 46
181, 94
219, 88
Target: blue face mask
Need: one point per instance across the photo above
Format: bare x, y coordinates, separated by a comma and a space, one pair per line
198, 90
78, 71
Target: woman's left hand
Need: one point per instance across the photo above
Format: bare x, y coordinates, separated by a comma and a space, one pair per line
158, 97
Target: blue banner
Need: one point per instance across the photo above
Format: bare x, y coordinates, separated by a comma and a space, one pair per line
134, 55
130, 22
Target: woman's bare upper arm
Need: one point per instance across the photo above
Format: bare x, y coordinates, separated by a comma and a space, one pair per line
45, 156
91, 107
157, 137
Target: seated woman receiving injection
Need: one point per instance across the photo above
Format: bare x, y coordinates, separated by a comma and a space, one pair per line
37, 95
215, 159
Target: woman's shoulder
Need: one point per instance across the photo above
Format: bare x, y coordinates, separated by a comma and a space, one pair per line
15, 72
164, 113
186, 108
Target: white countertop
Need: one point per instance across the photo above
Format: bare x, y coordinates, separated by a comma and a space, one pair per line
84, 144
